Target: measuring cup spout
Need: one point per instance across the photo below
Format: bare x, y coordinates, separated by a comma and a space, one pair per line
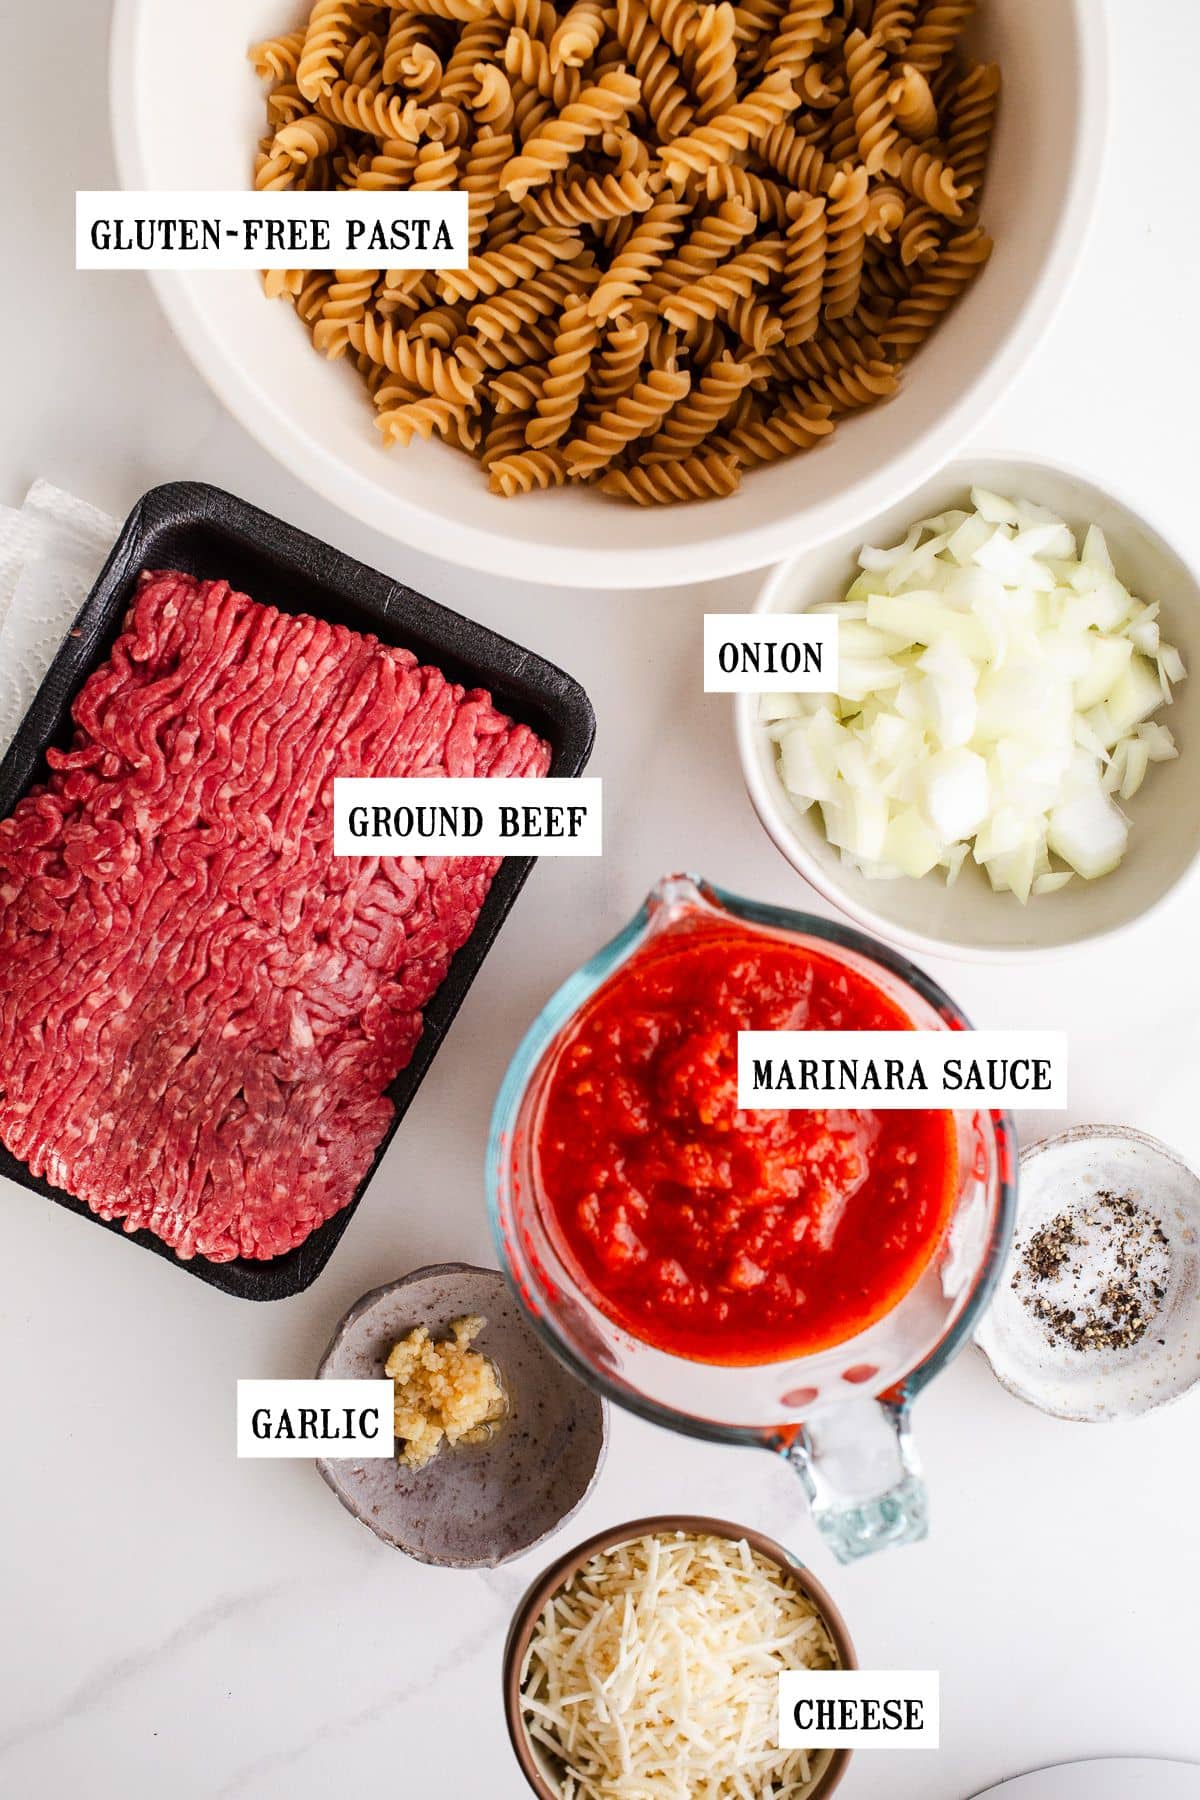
860, 1472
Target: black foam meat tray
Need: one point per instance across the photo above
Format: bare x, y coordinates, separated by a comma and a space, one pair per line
208, 533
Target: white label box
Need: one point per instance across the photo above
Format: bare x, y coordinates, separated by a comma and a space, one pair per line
770, 653
347, 1420
859, 1709
902, 1070
467, 816
148, 229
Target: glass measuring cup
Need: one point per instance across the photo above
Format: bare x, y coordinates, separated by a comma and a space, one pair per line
840, 1416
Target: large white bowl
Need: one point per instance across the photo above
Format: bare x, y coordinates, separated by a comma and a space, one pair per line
188, 110
968, 920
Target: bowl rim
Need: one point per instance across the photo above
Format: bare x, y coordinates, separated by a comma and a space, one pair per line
619, 564
696, 1524
793, 850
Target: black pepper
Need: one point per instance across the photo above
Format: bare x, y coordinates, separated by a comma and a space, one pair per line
1095, 1276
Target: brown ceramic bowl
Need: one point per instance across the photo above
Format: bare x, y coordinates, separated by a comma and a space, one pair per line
831, 1764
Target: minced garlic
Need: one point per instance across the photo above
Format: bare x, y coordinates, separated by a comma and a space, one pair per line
444, 1391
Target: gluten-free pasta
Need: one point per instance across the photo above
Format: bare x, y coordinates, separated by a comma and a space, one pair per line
701, 231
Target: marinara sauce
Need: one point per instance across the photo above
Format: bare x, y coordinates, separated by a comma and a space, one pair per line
722, 1235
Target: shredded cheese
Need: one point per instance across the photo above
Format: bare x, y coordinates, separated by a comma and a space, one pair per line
652, 1675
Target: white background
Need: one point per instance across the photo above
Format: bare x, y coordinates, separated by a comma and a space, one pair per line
177, 1622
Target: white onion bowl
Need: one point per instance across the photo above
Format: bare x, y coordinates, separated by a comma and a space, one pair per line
968, 919
188, 111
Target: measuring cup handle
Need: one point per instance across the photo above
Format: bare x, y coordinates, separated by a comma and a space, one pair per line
860, 1472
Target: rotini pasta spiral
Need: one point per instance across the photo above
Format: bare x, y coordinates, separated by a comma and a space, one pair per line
892, 23
527, 61
938, 31
307, 139
375, 110
465, 12
754, 20
596, 109
524, 470
416, 360
577, 39
847, 241
517, 390
420, 418
278, 58
663, 93
505, 315
798, 424
500, 269
972, 119
754, 325
619, 362
874, 120
920, 233
566, 375
705, 476
799, 32
538, 17
804, 268
849, 390
956, 267
333, 26
405, 33
285, 104
710, 244
714, 60
435, 169
524, 343
911, 100
632, 416
492, 102
701, 411
587, 200
676, 20
346, 299
363, 63
643, 251
765, 198
440, 325
485, 163
721, 139
800, 164
480, 41
927, 177
734, 280
887, 207
504, 437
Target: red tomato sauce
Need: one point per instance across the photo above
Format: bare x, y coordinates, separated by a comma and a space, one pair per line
722, 1235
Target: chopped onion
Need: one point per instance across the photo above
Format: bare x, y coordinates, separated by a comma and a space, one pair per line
997, 686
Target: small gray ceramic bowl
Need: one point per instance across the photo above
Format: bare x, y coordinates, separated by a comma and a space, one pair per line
475, 1505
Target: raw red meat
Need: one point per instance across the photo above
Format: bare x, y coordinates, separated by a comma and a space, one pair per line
200, 1006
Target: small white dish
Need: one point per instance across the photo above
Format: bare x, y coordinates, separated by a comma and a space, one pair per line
187, 112
968, 920
1096, 1386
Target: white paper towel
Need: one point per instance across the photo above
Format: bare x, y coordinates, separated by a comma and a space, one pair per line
51, 550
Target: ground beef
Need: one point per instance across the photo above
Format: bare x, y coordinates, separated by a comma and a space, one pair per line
201, 1007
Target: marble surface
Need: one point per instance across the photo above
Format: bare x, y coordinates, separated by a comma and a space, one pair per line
182, 1623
